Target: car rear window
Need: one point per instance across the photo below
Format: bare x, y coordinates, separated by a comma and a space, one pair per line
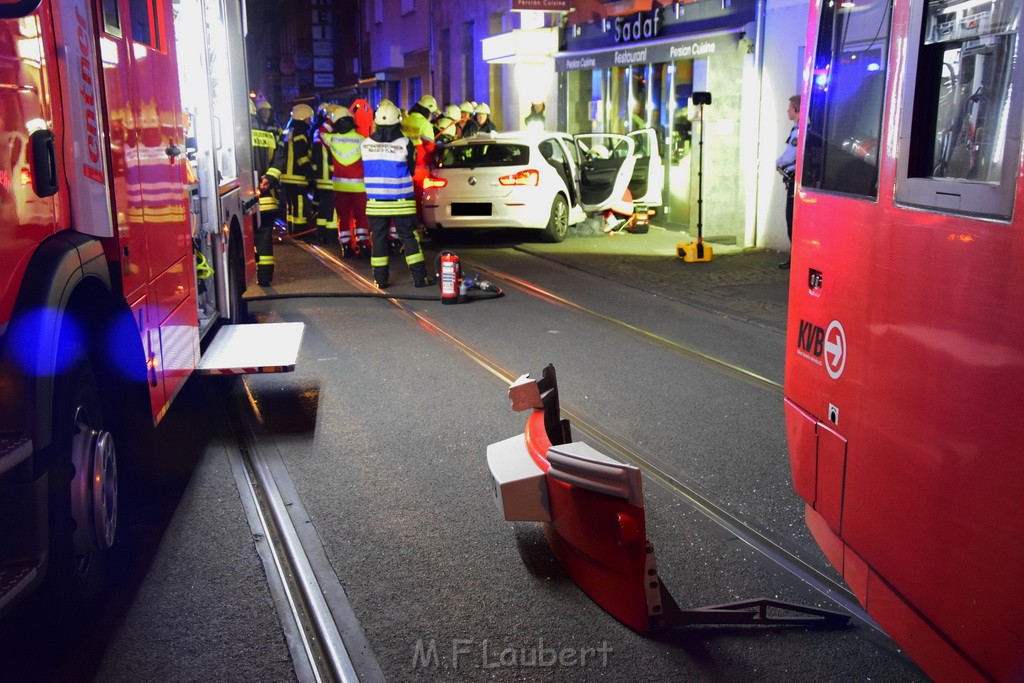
485, 154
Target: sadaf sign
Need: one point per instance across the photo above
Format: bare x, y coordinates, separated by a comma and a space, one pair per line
541, 5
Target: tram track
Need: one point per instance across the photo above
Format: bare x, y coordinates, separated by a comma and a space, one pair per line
617, 446
317, 648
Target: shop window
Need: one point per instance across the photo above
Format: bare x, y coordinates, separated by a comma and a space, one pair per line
147, 22
960, 133
844, 115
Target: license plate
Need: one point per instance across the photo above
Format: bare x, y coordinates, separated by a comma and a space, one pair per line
470, 209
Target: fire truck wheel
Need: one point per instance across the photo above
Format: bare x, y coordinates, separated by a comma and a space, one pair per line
558, 224
84, 489
236, 284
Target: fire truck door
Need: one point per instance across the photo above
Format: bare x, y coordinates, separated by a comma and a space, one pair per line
162, 211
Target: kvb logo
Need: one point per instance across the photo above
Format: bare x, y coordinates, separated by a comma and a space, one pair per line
823, 346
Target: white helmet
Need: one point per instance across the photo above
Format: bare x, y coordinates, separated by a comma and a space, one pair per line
302, 112
452, 112
338, 113
466, 107
429, 103
482, 108
387, 114
443, 124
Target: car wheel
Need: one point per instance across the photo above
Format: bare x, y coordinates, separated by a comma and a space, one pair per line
558, 224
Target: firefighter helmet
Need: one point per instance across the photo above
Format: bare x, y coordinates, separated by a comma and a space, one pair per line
429, 103
339, 113
263, 104
452, 112
482, 108
466, 107
387, 114
302, 112
443, 124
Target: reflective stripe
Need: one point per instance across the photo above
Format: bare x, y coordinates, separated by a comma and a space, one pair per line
269, 204
412, 259
262, 138
264, 260
378, 261
399, 207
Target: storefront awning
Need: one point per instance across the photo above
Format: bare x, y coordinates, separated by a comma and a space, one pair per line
693, 46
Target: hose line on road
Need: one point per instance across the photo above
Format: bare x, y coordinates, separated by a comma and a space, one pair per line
371, 295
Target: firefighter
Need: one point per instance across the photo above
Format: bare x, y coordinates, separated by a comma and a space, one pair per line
451, 128
265, 138
343, 148
465, 114
420, 131
323, 166
446, 131
389, 160
480, 123
362, 114
292, 168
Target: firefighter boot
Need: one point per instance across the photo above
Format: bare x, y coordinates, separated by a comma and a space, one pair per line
380, 277
264, 275
420, 278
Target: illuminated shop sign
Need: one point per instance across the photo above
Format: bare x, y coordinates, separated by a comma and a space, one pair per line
640, 26
656, 52
541, 5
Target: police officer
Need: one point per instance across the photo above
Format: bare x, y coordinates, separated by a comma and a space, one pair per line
292, 168
786, 166
389, 160
265, 138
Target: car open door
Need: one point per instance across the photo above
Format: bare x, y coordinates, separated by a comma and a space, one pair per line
648, 179
606, 166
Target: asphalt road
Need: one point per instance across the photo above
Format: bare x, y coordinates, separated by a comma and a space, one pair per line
384, 428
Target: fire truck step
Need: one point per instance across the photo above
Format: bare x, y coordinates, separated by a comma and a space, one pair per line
250, 349
14, 448
15, 577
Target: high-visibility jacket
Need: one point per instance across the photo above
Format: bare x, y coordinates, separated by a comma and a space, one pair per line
420, 131
345, 150
321, 157
292, 164
265, 139
389, 190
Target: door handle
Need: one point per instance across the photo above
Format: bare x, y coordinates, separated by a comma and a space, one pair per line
173, 151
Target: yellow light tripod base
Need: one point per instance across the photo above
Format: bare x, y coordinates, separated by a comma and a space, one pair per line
693, 252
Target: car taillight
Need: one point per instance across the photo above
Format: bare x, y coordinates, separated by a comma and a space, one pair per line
432, 182
528, 177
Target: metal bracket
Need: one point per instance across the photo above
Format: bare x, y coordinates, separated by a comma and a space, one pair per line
753, 612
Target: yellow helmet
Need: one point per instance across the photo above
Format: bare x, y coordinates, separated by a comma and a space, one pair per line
452, 112
302, 112
338, 113
429, 103
387, 114
482, 108
263, 104
466, 107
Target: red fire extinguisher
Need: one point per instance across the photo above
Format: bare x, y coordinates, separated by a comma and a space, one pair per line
450, 278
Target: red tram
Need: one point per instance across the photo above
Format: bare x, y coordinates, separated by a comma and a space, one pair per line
905, 350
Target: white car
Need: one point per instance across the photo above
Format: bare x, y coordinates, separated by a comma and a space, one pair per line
536, 180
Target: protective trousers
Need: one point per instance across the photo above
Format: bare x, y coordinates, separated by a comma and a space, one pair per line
264, 242
405, 225
326, 225
350, 208
296, 209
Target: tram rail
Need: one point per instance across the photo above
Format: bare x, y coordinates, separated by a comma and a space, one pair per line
617, 446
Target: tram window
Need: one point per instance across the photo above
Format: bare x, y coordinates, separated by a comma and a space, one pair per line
960, 134
844, 117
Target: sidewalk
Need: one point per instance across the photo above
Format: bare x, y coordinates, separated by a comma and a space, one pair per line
740, 283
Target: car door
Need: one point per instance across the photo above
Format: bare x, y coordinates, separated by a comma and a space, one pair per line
648, 178
606, 166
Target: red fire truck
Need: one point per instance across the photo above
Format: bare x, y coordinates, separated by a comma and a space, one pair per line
127, 205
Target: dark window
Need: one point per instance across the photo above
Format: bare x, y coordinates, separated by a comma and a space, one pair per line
847, 95
485, 154
146, 19
111, 18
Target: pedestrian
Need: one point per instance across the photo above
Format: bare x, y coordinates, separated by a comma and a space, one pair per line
535, 119
480, 123
389, 160
292, 168
265, 138
786, 165
344, 146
